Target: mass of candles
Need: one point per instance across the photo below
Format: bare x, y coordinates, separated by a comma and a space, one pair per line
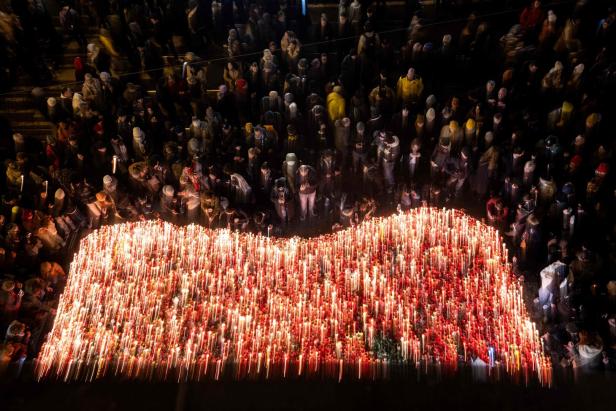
153, 300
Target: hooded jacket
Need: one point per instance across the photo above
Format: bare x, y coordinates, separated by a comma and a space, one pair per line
336, 106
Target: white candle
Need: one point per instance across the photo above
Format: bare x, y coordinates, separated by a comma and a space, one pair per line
114, 164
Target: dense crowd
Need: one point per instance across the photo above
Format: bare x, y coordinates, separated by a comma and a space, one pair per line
313, 127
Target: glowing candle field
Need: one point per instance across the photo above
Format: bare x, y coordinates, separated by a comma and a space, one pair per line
154, 300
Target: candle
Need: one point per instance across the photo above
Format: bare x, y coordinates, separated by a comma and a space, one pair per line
21, 186
150, 299
114, 164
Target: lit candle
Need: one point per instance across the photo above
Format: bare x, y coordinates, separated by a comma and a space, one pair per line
169, 300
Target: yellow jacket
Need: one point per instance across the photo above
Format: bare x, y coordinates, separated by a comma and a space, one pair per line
407, 90
336, 106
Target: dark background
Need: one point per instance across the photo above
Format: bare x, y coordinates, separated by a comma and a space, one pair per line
595, 392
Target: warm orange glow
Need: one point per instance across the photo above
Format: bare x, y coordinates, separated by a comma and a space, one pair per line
153, 300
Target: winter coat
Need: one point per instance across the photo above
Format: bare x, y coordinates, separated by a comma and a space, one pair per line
336, 106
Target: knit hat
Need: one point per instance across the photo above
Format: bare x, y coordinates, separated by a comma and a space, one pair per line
601, 169
431, 101
567, 107
430, 114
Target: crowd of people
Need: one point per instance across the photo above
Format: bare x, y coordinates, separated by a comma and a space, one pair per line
314, 127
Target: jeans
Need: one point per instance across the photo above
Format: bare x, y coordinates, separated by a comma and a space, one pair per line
306, 202
388, 173
359, 159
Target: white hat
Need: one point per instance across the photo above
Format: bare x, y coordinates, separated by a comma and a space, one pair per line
430, 114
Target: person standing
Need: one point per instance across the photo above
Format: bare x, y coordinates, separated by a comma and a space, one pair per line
70, 20
306, 181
